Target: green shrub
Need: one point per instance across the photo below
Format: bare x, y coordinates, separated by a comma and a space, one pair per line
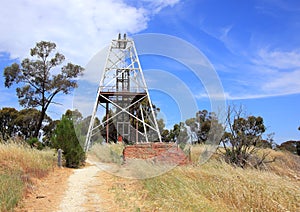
34, 142
65, 138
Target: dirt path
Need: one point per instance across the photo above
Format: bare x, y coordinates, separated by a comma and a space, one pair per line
77, 197
66, 189
46, 194
86, 189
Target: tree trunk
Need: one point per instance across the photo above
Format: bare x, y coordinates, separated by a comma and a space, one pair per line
39, 125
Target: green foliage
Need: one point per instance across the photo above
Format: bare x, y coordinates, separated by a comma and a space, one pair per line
165, 135
242, 136
8, 127
27, 122
264, 144
161, 125
291, 146
49, 131
65, 138
178, 133
23, 124
81, 127
34, 142
38, 84
203, 124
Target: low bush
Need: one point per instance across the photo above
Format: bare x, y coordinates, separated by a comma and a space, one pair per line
65, 138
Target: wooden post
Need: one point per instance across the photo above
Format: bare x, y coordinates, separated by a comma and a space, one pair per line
59, 158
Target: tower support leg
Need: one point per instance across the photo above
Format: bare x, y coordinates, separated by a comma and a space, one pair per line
107, 125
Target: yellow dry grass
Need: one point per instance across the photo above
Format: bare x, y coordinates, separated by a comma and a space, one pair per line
19, 164
215, 186
108, 153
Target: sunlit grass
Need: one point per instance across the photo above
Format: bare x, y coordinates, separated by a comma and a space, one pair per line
108, 153
11, 189
18, 165
216, 186
219, 186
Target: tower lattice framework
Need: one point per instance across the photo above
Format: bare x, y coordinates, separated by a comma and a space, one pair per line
124, 97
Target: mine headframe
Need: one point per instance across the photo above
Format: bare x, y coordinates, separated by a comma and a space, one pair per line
124, 98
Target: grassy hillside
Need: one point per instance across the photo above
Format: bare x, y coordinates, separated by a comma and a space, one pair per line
215, 186
19, 164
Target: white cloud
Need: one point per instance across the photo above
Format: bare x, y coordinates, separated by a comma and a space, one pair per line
224, 33
269, 73
80, 28
213, 96
278, 59
284, 83
276, 73
158, 5
263, 82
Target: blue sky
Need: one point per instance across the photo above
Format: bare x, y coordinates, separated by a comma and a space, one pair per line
254, 46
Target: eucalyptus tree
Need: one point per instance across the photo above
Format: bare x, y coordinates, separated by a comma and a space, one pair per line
39, 78
8, 127
241, 137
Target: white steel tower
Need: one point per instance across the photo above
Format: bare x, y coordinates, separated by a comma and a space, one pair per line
123, 94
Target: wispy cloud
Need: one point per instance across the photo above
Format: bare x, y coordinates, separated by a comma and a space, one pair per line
158, 5
224, 31
215, 96
280, 71
260, 72
284, 83
278, 59
259, 85
270, 5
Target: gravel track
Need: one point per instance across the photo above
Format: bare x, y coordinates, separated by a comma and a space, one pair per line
76, 194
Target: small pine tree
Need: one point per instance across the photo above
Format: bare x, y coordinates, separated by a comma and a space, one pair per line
65, 138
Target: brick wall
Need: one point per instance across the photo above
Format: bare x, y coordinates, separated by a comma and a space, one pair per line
159, 152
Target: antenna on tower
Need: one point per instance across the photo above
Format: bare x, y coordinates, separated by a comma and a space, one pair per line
123, 93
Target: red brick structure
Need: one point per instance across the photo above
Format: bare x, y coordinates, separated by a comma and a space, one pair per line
158, 152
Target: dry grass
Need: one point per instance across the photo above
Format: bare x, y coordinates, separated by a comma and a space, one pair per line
285, 164
19, 164
108, 153
216, 186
